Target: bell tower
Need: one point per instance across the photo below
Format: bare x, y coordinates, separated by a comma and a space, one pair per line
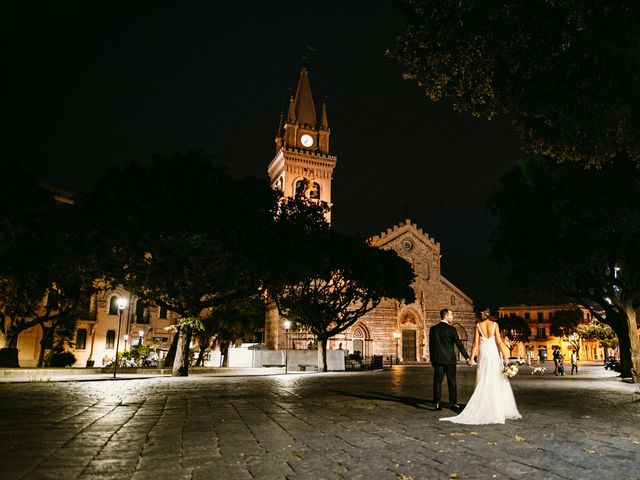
302, 164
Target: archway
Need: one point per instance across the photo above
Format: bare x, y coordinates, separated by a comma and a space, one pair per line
462, 334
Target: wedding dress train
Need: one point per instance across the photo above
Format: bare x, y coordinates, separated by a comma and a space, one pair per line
492, 400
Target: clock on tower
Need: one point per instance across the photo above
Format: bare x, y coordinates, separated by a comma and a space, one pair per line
302, 164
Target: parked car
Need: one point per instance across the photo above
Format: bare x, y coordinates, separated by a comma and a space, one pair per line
612, 364
519, 360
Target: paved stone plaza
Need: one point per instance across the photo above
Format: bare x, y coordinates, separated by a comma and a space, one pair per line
336, 425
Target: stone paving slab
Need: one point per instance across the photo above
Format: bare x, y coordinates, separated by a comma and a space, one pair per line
303, 426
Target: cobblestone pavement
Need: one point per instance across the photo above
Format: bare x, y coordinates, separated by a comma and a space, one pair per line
377, 425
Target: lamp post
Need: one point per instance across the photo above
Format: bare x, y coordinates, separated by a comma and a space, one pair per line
122, 304
287, 326
140, 337
396, 335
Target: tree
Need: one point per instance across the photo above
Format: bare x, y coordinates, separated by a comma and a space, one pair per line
564, 324
186, 238
47, 267
514, 330
348, 279
567, 231
566, 71
595, 330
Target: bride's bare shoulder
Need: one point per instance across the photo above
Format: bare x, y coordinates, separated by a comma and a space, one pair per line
485, 327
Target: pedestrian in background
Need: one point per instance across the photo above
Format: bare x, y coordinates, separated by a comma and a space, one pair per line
560, 363
556, 356
574, 362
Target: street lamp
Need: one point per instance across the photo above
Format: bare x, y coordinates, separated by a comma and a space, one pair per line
140, 337
287, 326
396, 335
122, 304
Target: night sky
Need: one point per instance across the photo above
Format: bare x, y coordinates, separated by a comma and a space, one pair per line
90, 84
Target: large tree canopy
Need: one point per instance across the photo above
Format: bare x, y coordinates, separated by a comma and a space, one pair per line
336, 279
182, 233
47, 267
575, 232
566, 71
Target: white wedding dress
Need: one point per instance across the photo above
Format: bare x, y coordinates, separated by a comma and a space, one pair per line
492, 400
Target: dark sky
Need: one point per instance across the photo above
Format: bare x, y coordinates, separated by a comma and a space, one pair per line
89, 84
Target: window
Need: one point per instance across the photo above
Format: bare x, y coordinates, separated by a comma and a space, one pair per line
542, 333
113, 306
163, 312
301, 187
453, 299
81, 339
111, 339
140, 316
314, 193
527, 316
540, 316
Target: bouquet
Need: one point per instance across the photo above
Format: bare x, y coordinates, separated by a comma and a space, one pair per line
510, 371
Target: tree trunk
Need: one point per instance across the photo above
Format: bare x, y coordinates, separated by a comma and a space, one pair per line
171, 354
187, 357
200, 361
181, 362
619, 326
224, 351
322, 353
634, 344
47, 333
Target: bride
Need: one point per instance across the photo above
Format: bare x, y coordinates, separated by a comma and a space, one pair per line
492, 400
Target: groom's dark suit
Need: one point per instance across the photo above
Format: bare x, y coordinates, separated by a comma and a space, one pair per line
442, 337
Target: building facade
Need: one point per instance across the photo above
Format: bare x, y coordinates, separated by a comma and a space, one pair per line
304, 165
96, 335
541, 343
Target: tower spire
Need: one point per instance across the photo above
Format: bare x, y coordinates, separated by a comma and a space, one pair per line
323, 122
291, 114
303, 107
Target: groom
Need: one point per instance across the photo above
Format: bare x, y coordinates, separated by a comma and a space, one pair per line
442, 337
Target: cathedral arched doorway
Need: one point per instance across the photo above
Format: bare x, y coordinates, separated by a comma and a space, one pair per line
361, 341
410, 322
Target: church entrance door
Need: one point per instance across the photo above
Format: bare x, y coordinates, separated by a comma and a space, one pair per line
408, 345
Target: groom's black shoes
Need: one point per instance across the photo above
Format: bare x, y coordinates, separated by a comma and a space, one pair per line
455, 407
437, 406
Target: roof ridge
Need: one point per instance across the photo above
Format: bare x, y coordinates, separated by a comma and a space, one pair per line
402, 224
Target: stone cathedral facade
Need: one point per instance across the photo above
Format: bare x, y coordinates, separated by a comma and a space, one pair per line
303, 164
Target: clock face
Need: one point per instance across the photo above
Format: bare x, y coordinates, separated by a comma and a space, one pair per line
306, 140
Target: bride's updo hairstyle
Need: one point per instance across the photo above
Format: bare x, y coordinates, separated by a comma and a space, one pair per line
484, 314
